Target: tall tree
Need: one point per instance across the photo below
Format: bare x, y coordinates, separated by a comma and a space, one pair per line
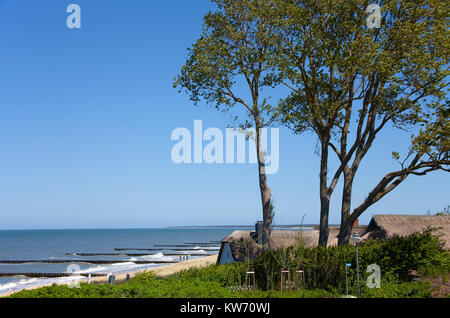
407, 89
429, 151
233, 50
350, 81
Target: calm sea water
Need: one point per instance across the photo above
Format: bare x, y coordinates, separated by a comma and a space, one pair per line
54, 244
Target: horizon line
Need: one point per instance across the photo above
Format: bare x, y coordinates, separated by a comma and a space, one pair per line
160, 228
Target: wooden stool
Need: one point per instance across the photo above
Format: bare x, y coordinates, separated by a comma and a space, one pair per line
299, 278
285, 280
250, 280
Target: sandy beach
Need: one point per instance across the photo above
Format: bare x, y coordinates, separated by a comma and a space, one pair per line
160, 271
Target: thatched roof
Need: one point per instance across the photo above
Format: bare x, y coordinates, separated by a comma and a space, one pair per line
333, 232
243, 243
237, 235
385, 226
278, 238
285, 238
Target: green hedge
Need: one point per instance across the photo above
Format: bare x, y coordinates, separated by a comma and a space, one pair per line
399, 290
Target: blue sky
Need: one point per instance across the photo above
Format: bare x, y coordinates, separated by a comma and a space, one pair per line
86, 117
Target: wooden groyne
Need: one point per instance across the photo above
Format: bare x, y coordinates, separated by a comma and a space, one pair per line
52, 275
140, 249
190, 245
126, 254
210, 242
85, 261
203, 243
165, 249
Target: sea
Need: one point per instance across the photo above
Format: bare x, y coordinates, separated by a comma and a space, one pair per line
65, 244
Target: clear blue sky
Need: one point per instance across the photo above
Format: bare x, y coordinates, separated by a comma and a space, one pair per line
86, 117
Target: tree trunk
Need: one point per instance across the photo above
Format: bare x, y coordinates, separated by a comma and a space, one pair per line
346, 218
345, 231
324, 196
264, 189
324, 210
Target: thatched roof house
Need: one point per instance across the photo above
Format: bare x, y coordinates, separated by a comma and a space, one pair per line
386, 226
243, 244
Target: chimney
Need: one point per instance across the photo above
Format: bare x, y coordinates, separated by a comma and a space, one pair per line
259, 232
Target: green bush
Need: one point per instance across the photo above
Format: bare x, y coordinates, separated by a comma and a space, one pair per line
229, 275
399, 290
62, 291
398, 255
325, 267
157, 288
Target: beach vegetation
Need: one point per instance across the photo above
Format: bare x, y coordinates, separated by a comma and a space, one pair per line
324, 267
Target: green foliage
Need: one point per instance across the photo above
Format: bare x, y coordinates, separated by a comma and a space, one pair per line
195, 283
349, 82
62, 291
324, 267
419, 251
329, 58
301, 293
226, 276
233, 49
399, 290
143, 286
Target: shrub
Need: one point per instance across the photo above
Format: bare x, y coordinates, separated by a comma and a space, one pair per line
399, 290
325, 267
229, 275
419, 251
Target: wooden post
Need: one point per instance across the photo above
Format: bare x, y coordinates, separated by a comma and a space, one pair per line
299, 279
285, 280
250, 280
